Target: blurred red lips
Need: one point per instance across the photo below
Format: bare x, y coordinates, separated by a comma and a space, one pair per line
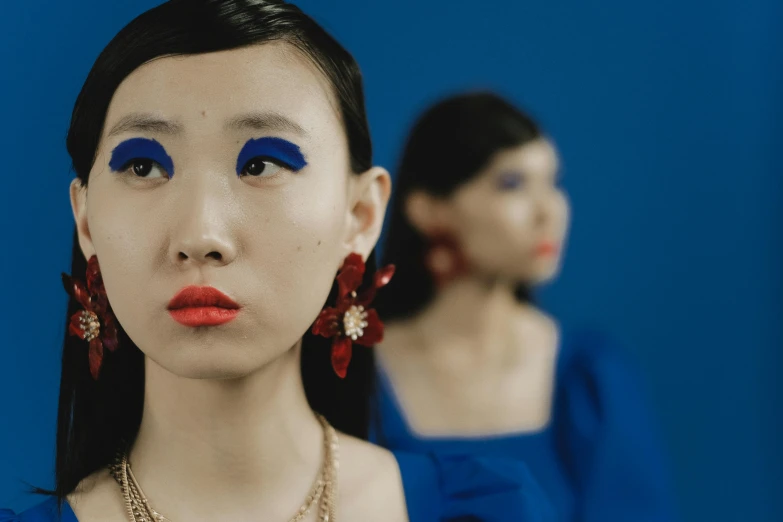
547, 248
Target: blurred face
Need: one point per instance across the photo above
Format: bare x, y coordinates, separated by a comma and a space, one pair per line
225, 175
511, 219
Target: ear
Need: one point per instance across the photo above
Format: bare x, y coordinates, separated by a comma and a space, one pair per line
368, 198
79, 207
428, 214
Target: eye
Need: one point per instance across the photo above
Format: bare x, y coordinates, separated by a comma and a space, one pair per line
265, 157
141, 158
145, 168
260, 167
510, 181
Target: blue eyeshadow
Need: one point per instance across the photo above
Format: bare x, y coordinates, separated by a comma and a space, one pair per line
276, 149
140, 148
509, 180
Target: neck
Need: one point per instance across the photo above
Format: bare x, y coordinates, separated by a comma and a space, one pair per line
227, 446
474, 318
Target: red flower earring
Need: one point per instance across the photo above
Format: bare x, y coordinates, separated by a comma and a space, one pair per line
444, 259
96, 323
351, 321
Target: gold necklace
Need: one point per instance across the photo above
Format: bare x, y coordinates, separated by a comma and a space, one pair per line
323, 492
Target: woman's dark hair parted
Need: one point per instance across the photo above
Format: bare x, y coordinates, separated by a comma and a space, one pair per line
449, 145
96, 418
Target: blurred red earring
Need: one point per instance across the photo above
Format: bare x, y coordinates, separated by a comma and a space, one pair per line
444, 258
95, 324
351, 321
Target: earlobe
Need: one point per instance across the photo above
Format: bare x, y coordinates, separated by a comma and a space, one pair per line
78, 192
371, 193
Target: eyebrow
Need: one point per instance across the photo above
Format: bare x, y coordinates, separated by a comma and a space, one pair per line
258, 121
265, 121
144, 123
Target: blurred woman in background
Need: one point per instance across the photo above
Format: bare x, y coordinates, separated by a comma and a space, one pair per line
469, 363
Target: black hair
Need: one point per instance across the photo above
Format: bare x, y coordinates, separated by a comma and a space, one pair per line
96, 417
449, 145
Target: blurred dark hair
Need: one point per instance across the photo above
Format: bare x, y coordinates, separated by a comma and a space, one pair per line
452, 142
96, 417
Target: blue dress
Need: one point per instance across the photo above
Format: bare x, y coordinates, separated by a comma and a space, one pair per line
437, 489
598, 459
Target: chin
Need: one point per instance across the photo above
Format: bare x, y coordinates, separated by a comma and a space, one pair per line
220, 370
543, 273
223, 363
209, 370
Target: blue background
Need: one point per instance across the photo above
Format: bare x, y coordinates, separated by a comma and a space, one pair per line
669, 117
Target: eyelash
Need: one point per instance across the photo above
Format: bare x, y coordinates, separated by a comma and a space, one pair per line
264, 159
510, 182
128, 168
506, 183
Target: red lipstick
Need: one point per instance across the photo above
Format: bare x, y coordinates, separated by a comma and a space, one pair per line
202, 306
546, 248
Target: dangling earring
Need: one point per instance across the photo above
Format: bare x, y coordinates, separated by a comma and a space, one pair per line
350, 321
444, 259
95, 324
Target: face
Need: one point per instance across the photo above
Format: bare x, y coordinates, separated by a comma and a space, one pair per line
511, 219
228, 172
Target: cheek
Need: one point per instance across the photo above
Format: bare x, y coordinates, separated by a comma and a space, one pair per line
294, 250
516, 217
296, 228
128, 238
499, 226
124, 232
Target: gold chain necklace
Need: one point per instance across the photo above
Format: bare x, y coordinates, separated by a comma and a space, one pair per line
323, 492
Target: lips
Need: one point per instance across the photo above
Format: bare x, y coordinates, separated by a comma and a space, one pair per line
546, 248
202, 306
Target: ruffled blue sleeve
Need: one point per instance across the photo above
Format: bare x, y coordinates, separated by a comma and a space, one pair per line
609, 438
6, 515
456, 488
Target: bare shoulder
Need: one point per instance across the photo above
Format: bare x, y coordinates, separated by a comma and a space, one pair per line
370, 483
98, 498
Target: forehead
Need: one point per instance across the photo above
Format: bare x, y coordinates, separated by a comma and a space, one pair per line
273, 77
537, 156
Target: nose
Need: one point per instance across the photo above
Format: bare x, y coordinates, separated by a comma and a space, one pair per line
202, 234
546, 205
204, 248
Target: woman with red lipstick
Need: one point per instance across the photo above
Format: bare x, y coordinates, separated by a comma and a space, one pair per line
469, 363
225, 201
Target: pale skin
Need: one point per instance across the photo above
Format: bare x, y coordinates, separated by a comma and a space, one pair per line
227, 433
476, 362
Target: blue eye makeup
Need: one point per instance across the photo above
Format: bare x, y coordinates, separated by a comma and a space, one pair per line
258, 152
140, 152
510, 181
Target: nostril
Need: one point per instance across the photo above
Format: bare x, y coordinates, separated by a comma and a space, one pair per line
214, 255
